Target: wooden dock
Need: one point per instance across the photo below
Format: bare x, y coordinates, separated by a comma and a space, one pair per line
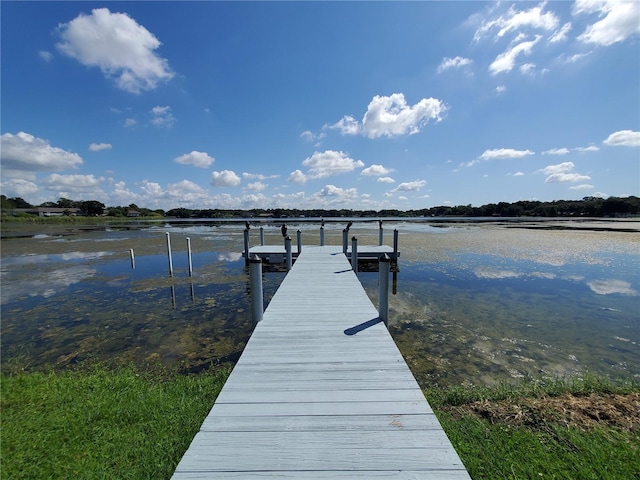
321, 391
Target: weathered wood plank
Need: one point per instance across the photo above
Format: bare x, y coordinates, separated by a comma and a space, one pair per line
311, 423
432, 474
308, 400
317, 408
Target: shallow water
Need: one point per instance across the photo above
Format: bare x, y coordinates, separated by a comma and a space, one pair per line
476, 303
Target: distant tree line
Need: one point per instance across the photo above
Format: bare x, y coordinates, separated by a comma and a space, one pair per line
587, 207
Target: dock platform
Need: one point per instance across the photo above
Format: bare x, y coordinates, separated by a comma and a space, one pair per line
321, 391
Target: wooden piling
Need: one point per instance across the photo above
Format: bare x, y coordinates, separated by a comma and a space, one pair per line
354, 254
287, 248
169, 254
383, 288
189, 257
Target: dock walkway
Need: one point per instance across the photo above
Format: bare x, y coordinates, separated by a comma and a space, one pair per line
321, 391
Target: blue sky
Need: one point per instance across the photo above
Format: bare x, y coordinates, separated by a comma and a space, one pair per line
363, 105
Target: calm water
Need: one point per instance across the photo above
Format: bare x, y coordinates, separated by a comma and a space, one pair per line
476, 302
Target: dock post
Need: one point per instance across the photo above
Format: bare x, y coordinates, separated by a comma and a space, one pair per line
262, 236
395, 244
380, 233
354, 254
299, 240
383, 286
287, 247
345, 234
189, 257
133, 259
255, 277
169, 254
322, 236
246, 247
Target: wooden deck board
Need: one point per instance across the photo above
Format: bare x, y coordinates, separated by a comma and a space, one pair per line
306, 400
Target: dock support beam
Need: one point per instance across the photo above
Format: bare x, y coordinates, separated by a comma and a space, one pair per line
287, 247
169, 254
383, 286
345, 241
299, 240
246, 247
354, 254
395, 244
322, 236
257, 298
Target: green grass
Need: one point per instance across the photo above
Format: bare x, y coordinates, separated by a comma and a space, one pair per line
529, 388
491, 451
97, 423
536, 447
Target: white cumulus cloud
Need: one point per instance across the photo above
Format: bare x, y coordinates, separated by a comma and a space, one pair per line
566, 177
619, 20
456, 62
120, 47
25, 152
386, 180
515, 20
73, 184
297, 177
195, 158
624, 138
330, 162
505, 153
556, 151
410, 186
561, 35
225, 178
45, 55
559, 168
162, 117
96, 147
589, 148
376, 170
347, 125
257, 186
392, 116
505, 62
333, 191
17, 187
562, 173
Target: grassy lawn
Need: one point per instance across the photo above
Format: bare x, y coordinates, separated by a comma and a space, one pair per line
98, 422
577, 429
